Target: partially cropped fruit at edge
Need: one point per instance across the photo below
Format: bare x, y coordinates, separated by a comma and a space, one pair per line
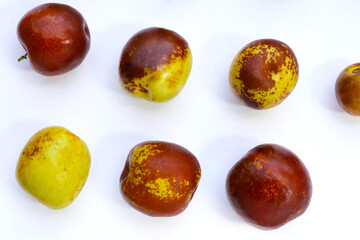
55, 37
53, 166
160, 178
155, 64
269, 186
347, 89
264, 73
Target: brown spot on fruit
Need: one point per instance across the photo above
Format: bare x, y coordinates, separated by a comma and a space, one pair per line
271, 195
356, 71
160, 178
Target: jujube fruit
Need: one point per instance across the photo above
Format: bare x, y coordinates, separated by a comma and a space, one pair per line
347, 89
53, 166
269, 186
264, 73
56, 38
155, 64
160, 178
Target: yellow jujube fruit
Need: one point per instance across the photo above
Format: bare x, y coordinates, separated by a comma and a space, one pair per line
53, 166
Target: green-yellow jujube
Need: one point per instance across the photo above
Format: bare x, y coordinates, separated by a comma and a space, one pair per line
53, 166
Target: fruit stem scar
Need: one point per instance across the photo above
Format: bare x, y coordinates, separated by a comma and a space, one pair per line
357, 70
23, 57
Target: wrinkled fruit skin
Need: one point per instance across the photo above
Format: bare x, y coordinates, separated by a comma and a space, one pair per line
160, 178
263, 73
269, 186
53, 167
347, 89
155, 64
56, 38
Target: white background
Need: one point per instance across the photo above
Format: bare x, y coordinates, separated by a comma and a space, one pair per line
205, 117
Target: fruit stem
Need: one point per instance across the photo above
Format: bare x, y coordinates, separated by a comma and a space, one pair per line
357, 70
22, 57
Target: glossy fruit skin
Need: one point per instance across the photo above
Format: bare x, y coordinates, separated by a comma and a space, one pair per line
264, 73
155, 64
347, 89
53, 166
269, 186
56, 38
160, 178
